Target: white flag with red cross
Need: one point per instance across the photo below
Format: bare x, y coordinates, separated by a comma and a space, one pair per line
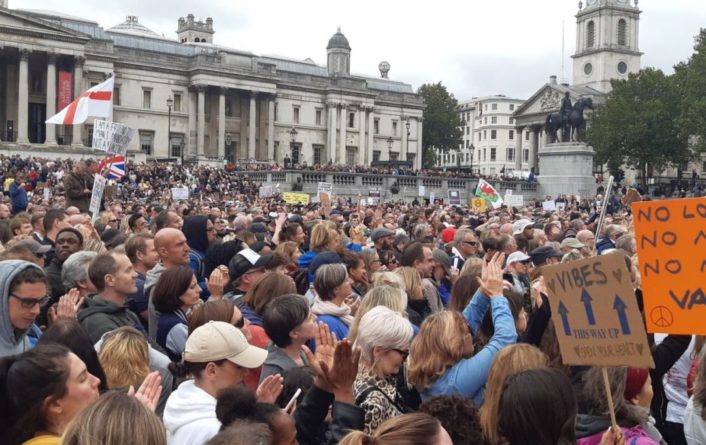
96, 102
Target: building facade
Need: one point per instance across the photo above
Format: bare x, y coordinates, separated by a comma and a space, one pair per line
490, 138
189, 97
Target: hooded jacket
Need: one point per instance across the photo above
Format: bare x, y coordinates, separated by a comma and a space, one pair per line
190, 416
12, 341
589, 430
99, 316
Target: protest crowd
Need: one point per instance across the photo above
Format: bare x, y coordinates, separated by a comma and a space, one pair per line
227, 318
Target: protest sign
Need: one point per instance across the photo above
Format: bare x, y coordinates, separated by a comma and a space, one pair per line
180, 193
454, 197
96, 195
325, 201
422, 191
111, 137
374, 193
478, 204
549, 206
431, 197
561, 206
266, 191
325, 187
514, 200
295, 198
670, 238
595, 313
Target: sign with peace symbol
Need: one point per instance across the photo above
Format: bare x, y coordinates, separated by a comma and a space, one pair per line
662, 317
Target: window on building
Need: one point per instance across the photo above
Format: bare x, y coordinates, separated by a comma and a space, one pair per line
512, 107
36, 81
494, 107
410, 157
394, 128
484, 154
89, 136
229, 106
527, 136
275, 152
511, 135
146, 141
485, 120
116, 95
525, 155
493, 134
177, 104
494, 120
176, 145
295, 111
351, 156
275, 111
590, 34
467, 144
147, 99
393, 156
376, 125
318, 116
485, 134
622, 32
510, 154
351, 120
317, 149
468, 157
376, 155
468, 130
493, 153
511, 121
485, 107
703, 166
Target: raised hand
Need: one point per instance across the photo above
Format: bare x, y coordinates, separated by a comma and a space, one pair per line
270, 389
491, 282
341, 375
68, 306
215, 283
149, 391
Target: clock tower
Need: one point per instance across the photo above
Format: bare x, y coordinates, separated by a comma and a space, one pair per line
607, 34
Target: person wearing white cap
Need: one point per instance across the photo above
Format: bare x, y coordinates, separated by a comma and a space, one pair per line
517, 271
217, 355
524, 227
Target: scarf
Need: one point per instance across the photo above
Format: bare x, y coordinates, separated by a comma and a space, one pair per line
328, 308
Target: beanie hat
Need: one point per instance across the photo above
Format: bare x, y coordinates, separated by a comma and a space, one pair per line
636, 378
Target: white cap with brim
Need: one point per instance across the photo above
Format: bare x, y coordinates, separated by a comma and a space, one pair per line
218, 340
517, 257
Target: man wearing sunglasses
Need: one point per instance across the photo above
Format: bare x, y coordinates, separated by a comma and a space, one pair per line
23, 289
465, 246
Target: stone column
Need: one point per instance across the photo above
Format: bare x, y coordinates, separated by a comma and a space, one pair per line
78, 89
23, 99
51, 99
271, 129
222, 123
405, 138
420, 147
361, 135
201, 120
371, 136
518, 148
344, 124
191, 136
534, 144
252, 126
331, 133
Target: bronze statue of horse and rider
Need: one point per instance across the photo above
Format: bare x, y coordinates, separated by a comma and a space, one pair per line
569, 120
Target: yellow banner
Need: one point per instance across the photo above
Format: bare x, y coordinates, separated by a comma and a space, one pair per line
295, 198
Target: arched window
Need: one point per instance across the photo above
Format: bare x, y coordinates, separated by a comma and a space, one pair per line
590, 34
622, 32
197, 40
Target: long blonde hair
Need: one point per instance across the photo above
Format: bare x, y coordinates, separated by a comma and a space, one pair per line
407, 429
124, 356
437, 347
411, 278
509, 360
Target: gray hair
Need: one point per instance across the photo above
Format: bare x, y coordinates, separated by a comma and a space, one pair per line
461, 236
75, 268
328, 277
613, 229
385, 328
626, 242
419, 231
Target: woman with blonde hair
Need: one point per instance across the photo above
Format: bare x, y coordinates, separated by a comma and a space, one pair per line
124, 356
384, 278
324, 238
442, 359
417, 306
115, 419
408, 429
388, 296
509, 361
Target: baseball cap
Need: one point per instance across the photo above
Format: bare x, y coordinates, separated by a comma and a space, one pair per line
540, 255
218, 340
244, 261
520, 225
572, 242
442, 258
517, 257
381, 233
33, 246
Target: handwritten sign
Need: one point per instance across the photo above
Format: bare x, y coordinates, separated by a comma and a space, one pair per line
549, 206
478, 204
295, 198
325, 187
111, 137
595, 313
266, 191
454, 197
514, 200
670, 238
180, 193
97, 195
422, 191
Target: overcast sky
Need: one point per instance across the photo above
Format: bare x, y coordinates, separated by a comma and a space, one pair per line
473, 47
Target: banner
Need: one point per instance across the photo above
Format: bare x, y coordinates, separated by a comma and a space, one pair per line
111, 137
595, 313
295, 198
454, 197
97, 195
180, 193
97, 101
64, 91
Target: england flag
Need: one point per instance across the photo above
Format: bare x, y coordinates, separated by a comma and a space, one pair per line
116, 166
96, 102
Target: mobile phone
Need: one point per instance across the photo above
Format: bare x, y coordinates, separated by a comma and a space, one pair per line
289, 405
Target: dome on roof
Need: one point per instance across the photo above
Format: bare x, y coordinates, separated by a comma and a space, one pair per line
338, 41
132, 26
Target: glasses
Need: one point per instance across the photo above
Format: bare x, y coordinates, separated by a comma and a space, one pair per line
29, 303
404, 354
471, 243
526, 263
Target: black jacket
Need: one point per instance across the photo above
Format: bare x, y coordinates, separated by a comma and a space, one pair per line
310, 414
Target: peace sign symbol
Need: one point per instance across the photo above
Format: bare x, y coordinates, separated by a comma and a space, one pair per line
661, 317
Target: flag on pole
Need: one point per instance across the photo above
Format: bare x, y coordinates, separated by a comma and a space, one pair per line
96, 102
485, 190
116, 166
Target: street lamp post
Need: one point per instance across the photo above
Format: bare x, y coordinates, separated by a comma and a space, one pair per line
406, 149
293, 133
170, 103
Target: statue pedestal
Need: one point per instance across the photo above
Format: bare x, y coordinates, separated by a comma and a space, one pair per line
566, 168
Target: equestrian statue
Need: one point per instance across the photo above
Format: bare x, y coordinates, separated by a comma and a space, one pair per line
569, 119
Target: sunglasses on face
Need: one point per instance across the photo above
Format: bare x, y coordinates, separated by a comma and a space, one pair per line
471, 243
29, 303
404, 354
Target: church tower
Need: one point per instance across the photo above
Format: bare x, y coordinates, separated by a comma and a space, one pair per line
607, 37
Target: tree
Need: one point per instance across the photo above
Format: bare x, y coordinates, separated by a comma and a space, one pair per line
442, 125
639, 124
691, 81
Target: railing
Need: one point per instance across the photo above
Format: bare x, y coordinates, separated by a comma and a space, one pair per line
407, 182
309, 178
279, 177
431, 183
343, 179
458, 183
372, 180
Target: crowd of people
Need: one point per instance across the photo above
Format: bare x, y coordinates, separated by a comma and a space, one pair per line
247, 321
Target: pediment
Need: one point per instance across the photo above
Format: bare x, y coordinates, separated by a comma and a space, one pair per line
16, 21
548, 98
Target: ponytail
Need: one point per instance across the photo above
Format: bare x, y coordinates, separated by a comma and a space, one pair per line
358, 438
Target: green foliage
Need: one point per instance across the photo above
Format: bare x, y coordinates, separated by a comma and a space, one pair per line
691, 81
639, 126
441, 121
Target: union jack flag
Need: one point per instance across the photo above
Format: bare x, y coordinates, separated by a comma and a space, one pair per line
117, 166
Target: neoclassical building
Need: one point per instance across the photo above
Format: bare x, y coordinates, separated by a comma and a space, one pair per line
190, 97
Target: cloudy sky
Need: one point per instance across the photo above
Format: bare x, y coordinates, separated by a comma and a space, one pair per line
473, 47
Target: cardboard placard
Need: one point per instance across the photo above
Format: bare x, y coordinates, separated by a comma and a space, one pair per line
514, 200
454, 197
180, 193
479, 204
670, 237
595, 313
295, 198
325, 187
549, 206
97, 195
631, 196
111, 137
325, 201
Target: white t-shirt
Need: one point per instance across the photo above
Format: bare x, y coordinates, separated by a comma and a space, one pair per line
674, 382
